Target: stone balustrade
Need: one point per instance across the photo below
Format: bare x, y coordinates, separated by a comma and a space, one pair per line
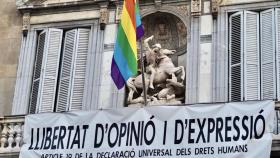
11, 134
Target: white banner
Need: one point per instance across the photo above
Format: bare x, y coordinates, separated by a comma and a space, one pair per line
239, 130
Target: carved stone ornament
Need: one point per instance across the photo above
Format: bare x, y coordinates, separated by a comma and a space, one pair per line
21, 2
29, 3
163, 80
183, 9
103, 17
157, 3
215, 6
196, 7
25, 23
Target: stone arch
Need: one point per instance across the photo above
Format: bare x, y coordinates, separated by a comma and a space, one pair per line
174, 16
180, 12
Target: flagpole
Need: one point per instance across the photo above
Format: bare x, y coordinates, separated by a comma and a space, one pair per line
143, 75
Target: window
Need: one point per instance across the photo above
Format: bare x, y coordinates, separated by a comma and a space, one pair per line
254, 55
60, 68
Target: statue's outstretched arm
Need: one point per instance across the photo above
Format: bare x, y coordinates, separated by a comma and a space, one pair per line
146, 42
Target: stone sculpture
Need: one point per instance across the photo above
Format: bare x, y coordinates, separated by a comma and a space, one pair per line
163, 80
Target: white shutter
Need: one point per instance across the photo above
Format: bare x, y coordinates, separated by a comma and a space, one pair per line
34, 99
50, 70
79, 72
251, 56
277, 21
73, 70
267, 55
66, 70
236, 59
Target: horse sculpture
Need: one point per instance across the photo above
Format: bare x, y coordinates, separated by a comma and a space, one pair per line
165, 71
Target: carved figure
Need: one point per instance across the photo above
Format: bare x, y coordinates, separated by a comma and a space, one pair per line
172, 89
161, 72
152, 57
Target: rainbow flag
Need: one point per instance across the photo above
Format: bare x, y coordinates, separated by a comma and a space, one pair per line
124, 62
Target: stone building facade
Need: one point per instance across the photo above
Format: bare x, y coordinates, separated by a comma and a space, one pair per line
37, 34
11, 24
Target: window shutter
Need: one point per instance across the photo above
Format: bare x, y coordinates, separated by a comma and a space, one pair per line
267, 55
37, 72
235, 50
79, 72
73, 70
68, 56
277, 21
50, 70
251, 56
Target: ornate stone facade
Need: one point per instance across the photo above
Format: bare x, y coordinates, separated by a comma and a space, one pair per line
196, 7
169, 21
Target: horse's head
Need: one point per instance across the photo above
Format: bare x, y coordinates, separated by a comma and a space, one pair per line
156, 47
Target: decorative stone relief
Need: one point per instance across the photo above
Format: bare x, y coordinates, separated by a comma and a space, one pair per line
183, 9
157, 3
25, 23
196, 7
29, 4
103, 16
182, 32
215, 7
20, 2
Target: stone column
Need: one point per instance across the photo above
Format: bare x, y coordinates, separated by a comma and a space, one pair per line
205, 72
109, 95
24, 74
193, 54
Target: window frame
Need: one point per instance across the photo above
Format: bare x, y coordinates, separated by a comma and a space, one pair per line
260, 55
22, 94
65, 26
221, 75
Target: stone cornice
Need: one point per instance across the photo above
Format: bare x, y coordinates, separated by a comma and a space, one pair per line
43, 4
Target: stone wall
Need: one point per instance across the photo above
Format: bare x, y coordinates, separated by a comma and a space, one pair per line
10, 40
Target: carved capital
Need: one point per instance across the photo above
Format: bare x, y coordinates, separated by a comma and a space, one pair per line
25, 23
103, 15
215, 7
196, 7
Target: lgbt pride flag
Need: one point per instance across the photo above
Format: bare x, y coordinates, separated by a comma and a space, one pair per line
124, 62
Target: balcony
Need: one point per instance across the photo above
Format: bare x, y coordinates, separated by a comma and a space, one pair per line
11, 135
